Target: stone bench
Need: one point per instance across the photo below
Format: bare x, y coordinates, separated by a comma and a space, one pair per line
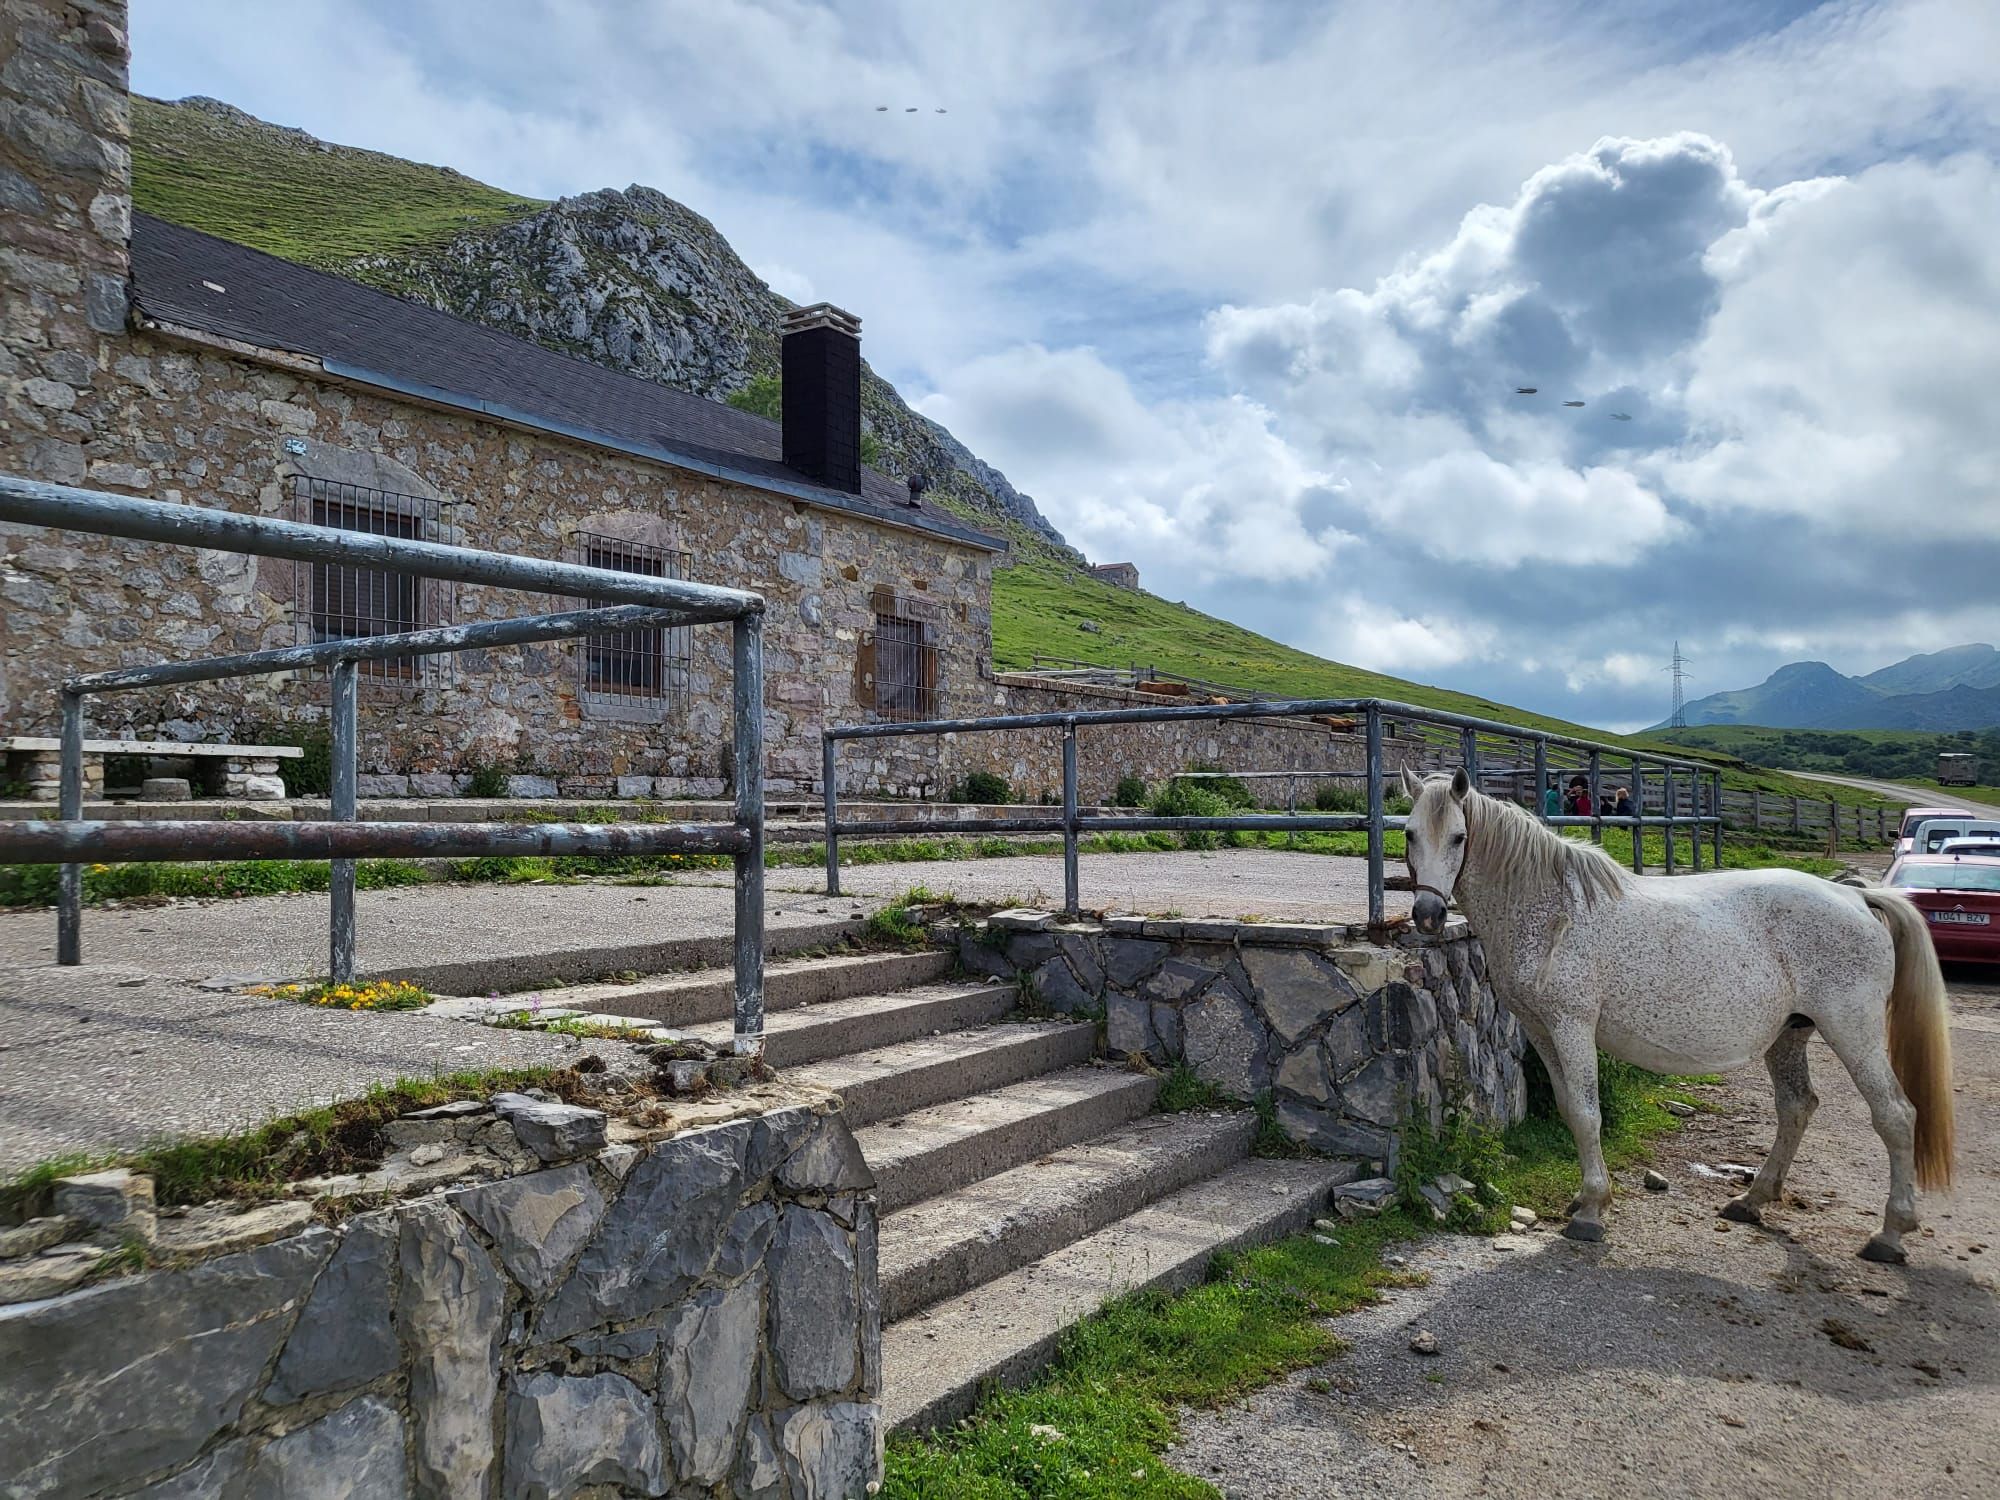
247, 770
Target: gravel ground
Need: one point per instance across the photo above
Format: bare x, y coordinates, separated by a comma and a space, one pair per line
1684, 1357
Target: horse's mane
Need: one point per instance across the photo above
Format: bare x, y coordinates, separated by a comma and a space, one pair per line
1515, 847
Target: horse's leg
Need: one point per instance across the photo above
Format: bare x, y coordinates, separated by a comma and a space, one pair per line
1575, 1047
1861, 1045
1538, 1037
1791, 1080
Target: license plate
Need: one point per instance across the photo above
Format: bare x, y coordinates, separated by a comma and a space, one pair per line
1961, 918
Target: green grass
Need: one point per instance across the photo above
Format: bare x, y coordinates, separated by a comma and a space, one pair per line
269, 188
1184, 1089
256, 1163
1096, 1423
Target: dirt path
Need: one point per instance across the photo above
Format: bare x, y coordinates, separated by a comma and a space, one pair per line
1684, 1358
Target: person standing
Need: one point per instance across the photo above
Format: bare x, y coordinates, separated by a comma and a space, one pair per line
1551, 801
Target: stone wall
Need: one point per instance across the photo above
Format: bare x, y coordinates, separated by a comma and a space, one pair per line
1351, 1037
694, 1315
90, 401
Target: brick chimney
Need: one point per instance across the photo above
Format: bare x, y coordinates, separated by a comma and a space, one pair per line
822, 395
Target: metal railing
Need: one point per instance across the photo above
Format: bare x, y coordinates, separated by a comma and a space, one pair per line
1380, 718
630, 601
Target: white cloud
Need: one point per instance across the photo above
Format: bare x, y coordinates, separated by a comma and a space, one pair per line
1390, 641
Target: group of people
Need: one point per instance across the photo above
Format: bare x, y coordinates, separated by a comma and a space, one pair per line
1576, 801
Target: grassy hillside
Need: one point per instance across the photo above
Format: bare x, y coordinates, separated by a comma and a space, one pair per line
217, 170
1039, 603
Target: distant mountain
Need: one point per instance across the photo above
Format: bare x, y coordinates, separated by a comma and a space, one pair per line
1958, 688
1956, 666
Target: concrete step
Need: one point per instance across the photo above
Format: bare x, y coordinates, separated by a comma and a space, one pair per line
814, 1032
935, 1363
931, 1151
887, 1081
689, 999
946, 1245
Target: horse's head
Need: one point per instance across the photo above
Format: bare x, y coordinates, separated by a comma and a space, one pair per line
1434, 843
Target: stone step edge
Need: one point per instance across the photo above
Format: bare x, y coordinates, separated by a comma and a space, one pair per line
918, 1142
1110, 1191
1012, 1050
896, 1007
1292, 1194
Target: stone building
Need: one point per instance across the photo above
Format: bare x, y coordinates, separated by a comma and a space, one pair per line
1122, 575
151, 360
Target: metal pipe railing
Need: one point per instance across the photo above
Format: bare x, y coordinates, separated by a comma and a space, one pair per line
638, 601
1380, 718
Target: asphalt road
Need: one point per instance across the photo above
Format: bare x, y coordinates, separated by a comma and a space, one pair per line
1916, 796
1685, 1357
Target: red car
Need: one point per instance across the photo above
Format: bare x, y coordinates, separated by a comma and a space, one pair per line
1959, 895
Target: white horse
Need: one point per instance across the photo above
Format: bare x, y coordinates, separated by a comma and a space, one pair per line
1697, 974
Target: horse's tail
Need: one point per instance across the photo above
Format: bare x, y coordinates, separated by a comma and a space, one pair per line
1919, 1033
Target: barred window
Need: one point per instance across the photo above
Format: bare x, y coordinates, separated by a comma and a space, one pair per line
338, 601
643, 672
904, 665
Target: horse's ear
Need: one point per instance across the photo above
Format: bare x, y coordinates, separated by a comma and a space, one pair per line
1460, 784
1413, 784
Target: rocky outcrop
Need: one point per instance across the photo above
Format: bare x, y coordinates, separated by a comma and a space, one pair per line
637, 282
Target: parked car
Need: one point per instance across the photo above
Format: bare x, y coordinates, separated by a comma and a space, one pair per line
1959, 896
1932, 833
1915, 817
1978, 843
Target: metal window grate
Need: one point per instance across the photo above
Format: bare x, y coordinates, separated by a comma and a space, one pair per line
906, 667
336, 601
635, 669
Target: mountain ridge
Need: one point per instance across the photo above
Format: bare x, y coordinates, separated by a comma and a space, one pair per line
1956, 688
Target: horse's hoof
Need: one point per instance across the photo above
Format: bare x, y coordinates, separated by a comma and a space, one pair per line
1885, 1251
1586, 1230
1741, 1211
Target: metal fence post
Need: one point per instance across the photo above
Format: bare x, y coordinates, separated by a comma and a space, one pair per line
1597, 796
1071, 899
1541, 775
1756, 810
1696, 828
829, 782
1638, 817
1833, 819
340, 881
1670, 804
69, 895
1374, 741
1796, 827
1718, 820
747, 692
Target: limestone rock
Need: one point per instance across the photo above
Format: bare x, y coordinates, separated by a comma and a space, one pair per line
1304, 1072
709, 1358
1129, 960
55, 1271
1295, 990
658, 1237
1057, 988
1423, 1341
748, 1237
36, 1234
345, 1334
1176, 980
1225, 1042
451, 1314
116, 1204
214, 1228
828, 1162
357, 1450
537, 1222
1655, 1182
831, 1448
760, 1473
1129, 1025
1326, 1131
567, 1432
136, 1375
1365, 1198
554, 1132
815, 1302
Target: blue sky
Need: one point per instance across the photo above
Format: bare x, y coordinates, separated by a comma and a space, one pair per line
1242, 292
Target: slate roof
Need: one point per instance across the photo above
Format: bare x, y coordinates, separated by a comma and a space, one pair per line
362, 334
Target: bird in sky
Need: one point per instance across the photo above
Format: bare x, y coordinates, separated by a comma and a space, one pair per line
1572, 403
1621, 416
1525, 390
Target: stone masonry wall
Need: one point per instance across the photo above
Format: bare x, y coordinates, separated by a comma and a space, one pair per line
693, 1316
1351, 1037
89, 401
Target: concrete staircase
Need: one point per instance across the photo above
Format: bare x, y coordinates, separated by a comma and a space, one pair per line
1023, 1182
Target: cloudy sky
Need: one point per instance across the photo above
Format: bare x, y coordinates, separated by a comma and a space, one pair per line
1242, 292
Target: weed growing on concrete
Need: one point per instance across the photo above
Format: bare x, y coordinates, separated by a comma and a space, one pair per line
374, 994
1184, 1089
577, 1026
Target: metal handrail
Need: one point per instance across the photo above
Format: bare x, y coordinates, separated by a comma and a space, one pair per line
637, 601
1377, 715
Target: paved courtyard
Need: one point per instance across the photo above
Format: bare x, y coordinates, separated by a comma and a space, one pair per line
130, 1046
